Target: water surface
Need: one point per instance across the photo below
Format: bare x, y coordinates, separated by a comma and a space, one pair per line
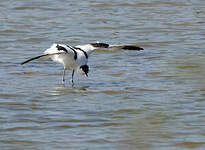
152, 99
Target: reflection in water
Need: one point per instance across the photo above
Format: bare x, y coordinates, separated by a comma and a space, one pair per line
66, 90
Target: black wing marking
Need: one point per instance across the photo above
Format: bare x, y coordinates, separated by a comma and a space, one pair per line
73, 49
86, 55
61, 48
124, 47
100, 45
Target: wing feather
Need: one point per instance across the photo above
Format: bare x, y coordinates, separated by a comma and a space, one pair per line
40, 56
55, 49
59, 48
89, 48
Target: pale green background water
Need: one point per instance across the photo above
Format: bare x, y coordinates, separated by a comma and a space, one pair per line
148, 100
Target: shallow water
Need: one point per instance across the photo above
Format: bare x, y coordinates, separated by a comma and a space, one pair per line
152, 99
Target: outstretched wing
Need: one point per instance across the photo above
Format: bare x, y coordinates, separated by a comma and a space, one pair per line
89, 48
55, 50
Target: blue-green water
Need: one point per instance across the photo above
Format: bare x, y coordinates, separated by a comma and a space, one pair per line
148, 100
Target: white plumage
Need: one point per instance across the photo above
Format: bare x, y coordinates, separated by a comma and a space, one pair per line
67, 56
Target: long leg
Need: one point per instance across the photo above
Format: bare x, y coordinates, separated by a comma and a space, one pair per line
63, 79
72, 77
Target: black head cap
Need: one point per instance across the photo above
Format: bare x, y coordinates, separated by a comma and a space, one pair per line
85, 69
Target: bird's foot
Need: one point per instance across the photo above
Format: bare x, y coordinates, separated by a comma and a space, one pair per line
63, 82
71, 82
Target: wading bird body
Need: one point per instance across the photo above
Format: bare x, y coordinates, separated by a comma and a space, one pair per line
70, 57
76, 58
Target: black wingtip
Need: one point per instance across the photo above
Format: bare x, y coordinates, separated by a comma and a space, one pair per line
25, 62
37, 57
132, 47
